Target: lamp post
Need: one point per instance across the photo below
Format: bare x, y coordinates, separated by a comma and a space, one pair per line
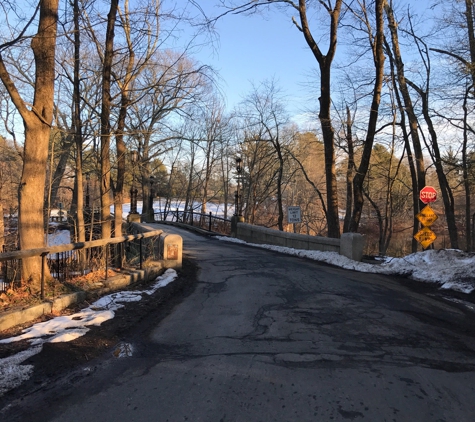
134, 157
237, 217
237, 194
60, 206
150, 199
88, 178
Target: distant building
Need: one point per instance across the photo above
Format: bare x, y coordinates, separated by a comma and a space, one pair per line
58, 214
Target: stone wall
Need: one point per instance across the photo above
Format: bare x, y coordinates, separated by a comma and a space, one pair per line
350, 245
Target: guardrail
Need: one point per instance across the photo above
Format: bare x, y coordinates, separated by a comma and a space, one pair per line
207, 222
74, 259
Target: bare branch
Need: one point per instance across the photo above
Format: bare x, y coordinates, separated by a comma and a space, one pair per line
22, 33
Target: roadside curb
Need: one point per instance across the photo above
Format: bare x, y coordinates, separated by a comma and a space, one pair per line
16, 317
21, 316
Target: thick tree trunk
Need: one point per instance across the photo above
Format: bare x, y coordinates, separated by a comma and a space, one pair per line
31, 203
328, 133
37, 123
121, 153
325, 62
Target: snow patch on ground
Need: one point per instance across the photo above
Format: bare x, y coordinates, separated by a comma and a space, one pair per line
450, 269
68, 328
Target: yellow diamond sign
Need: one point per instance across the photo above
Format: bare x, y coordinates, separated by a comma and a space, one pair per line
427, 216
425, 237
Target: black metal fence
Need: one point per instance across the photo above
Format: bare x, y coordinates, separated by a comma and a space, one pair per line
207, 222
70, 260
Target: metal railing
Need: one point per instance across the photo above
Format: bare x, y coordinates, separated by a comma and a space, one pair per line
207, 221
74, 259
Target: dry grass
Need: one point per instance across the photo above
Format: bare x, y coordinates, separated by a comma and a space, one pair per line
90, 280
22, 297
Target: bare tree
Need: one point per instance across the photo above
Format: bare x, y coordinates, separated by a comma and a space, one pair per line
324, 59
167, 89
10, 173
265, 117
376, 42
433, 146
461, 58
408, 109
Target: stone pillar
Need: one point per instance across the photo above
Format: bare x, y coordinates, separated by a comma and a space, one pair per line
171, 249
352, 245
133, 218
235, 219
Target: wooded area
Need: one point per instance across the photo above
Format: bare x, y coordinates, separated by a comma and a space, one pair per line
97, 101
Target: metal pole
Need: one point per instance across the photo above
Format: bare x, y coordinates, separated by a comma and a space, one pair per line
209, 225
135, 155
87, 191
237, 200
473, 232
150, 203
141, 256
238, 192
107, 260
43, 265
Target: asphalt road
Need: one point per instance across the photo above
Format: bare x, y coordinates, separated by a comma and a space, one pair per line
270, 337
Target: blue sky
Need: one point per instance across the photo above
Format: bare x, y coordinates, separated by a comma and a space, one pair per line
252, 49
266, 46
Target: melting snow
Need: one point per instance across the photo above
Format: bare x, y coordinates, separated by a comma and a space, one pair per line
67, 328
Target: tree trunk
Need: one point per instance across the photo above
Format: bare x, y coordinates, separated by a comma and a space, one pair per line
105, 123
280, 172
358, 180
77, 124
465, 161
329, 154
408, 109
30, 196
121, 155
407, 146
37, 123
60, 169
324, 62
2, 225
349, 171
466, 182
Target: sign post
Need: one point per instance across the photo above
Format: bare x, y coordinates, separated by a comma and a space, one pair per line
428, 194
293, 215
427, 217
425, 237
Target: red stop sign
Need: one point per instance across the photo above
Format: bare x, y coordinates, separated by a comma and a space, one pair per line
428, 194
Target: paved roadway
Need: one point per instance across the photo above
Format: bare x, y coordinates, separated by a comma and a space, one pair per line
270, 337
